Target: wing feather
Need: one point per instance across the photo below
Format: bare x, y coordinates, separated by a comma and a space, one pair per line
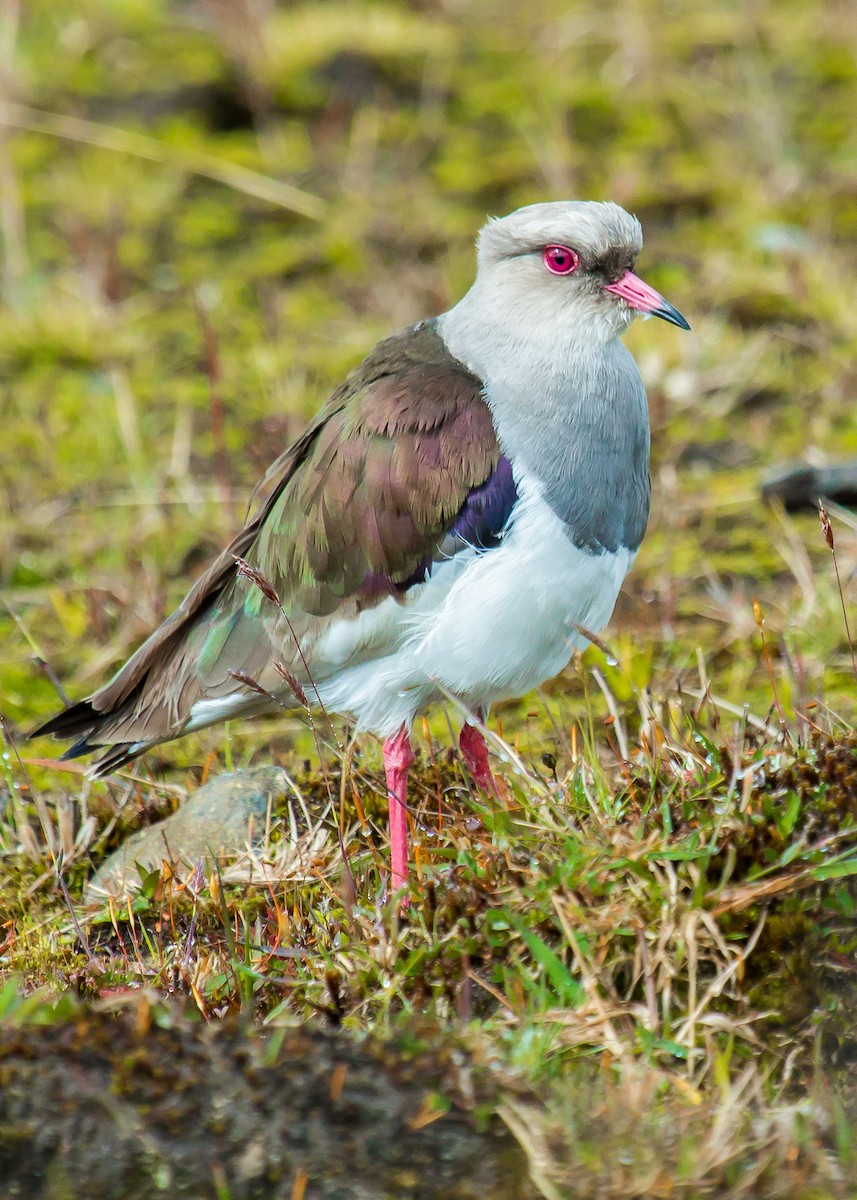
354, 511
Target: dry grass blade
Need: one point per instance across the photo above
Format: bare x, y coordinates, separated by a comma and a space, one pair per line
526, 1123
502, 747
717, 985
787, 881
126, 141
596, 640
762, 724
308, 857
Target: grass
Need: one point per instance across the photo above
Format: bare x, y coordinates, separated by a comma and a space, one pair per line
207, 216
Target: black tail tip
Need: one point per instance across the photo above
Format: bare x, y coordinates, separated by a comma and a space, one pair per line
71, 722
80, 721
119, 755
81, 747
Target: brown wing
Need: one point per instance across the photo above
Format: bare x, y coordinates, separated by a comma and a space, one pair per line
351, 513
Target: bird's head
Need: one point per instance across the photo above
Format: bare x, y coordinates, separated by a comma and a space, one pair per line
571, 259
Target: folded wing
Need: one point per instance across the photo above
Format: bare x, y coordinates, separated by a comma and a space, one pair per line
399, 471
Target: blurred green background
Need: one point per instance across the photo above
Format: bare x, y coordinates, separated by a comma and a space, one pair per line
210, 210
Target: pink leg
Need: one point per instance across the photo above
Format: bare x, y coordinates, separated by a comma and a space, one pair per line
398, 756
475, 754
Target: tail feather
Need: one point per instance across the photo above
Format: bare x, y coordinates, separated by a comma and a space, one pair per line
151, 698
118, 756
84, 720
91, 731
81, 747
73, 721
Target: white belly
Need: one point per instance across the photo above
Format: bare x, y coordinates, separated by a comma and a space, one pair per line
486, 626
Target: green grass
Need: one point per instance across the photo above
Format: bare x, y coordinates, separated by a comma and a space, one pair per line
207, 216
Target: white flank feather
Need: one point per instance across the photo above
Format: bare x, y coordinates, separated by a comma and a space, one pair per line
487, 626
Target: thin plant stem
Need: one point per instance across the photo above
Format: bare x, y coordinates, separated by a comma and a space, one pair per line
760, 621
827, 530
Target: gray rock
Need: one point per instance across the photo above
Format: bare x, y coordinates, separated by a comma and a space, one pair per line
799, 485
214, 823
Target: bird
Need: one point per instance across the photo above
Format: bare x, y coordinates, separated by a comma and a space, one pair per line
456, 518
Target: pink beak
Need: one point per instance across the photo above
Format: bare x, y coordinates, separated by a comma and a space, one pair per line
645, 299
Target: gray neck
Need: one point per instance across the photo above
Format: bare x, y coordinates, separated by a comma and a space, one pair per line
569, 412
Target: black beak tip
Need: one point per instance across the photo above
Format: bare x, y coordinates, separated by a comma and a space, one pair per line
667, 313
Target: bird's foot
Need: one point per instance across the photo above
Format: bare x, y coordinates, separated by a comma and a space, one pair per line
474, 751
398, 757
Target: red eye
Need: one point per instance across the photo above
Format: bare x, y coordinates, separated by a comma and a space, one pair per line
560, 260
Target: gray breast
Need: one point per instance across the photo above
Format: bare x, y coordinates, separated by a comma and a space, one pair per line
584, 435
